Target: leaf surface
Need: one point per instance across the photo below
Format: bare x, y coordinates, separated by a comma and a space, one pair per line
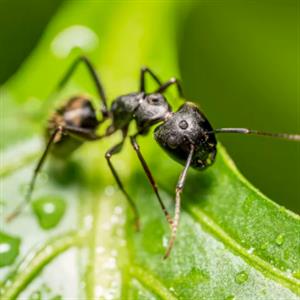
233, 242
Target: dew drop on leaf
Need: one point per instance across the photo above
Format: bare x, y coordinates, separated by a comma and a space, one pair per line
49, 211
241, 277
9, 249
279, 240
264, 246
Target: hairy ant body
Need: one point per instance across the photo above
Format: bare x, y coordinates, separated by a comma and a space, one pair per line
186, 135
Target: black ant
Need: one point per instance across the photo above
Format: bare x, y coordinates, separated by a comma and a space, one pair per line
76, 122
186, 135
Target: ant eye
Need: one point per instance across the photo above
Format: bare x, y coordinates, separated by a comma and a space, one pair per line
155, 100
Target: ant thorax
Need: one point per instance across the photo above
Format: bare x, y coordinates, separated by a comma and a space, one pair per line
123, 108
145, 109
188, 126
152, 109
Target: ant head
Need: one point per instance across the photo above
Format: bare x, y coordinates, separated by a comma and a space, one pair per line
185, 127
153, 108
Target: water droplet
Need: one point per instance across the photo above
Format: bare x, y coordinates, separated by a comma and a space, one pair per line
279, 240
250, 250
4, 247
241, 277
264, 246
118, 210
115, 219
110, 263
109, 190
99, 291
165, 241
100, 250
9, 249
49, 211
76, 36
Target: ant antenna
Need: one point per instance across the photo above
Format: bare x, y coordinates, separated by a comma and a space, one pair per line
285, 136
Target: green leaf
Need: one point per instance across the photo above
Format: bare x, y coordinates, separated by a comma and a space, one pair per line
233, 242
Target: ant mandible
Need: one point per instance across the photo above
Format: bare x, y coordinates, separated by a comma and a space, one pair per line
186, 135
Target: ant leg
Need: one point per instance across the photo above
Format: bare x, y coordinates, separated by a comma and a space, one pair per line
136, 147
145, 70
170, 82
95, 78
114, 150
37, 169
82, 133
179, 189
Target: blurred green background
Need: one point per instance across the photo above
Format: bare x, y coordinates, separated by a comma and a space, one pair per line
238, 59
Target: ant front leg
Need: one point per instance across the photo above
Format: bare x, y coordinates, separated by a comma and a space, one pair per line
37, 169
114, 150
144, 71
136, 147
179, 189
94, 76
169, 83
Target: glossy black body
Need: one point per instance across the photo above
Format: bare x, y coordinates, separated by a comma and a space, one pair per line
145, 109
185, 127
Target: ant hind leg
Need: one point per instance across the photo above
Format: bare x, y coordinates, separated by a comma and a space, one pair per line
179, 189
37, 169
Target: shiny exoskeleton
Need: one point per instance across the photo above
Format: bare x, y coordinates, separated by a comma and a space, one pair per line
186, 135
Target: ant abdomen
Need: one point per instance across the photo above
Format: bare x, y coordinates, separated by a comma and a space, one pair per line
78, 113
188, 126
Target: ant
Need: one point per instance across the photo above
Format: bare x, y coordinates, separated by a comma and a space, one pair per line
186, 135
76, 122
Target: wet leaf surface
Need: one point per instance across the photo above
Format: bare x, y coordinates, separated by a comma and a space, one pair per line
233, 242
